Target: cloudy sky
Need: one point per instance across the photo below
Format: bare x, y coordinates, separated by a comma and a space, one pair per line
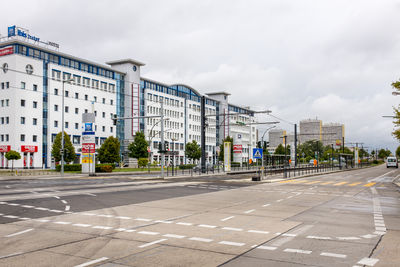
334, 60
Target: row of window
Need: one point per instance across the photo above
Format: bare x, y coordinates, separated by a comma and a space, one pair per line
66, 110
23, 138
5, 120
86, 97
83, 81
34, 120
5, 85
76, 126
4, 138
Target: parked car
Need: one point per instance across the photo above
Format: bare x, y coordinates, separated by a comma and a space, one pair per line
392, 162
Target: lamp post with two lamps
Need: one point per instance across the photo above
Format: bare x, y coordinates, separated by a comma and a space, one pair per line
62, 126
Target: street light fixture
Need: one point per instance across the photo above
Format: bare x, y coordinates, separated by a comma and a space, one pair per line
62, 126
395, 93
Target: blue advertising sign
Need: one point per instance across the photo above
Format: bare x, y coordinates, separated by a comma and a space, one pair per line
88, 127
257, 153
11, 31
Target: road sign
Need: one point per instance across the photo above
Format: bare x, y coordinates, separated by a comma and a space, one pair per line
237, 148
257, 153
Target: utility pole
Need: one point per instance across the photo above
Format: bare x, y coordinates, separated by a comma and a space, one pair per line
295, 144
162, 139
203, 134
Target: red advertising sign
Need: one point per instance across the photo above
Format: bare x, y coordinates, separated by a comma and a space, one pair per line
89, 148
6, 51
237, 148
5, 148
31, 149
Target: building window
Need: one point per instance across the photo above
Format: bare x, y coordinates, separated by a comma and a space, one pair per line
66, 124
104, 114
7, 138
29, 69
104, 128
76, 110
66, 93
55, 91
23, 85
55, 124
111, 129
76, 139
95, 113
22, 138
22, 120
76, 95
35, 87
22, 103
66, 109
34, 121
95, 98
7, 120
55, 107
34, 138
7, 85
2, 138
86, 97
34, 104
76, 126
104, 100
111, 102
86, 111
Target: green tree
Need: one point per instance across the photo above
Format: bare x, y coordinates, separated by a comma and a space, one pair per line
109, 150
12, 155
193, 150
362, 153
69, 150
310, 148
138, 149
382, 153
396, 122
398, 152
142, 162
221, 148
280, 150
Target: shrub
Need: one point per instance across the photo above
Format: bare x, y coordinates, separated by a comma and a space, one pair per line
104, 167
70, 167
187, 166
142, 162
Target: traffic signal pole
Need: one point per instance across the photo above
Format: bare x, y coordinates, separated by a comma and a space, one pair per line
203, 135
162, 139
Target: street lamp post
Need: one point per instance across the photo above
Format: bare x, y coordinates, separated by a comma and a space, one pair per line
173, 154
62, 126
262, 147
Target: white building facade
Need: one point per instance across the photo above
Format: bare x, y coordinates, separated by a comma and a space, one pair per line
31, 83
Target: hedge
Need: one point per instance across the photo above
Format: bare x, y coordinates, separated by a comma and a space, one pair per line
104, 167
187, 166
107, 167
70, 167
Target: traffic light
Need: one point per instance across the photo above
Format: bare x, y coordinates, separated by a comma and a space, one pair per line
160, 149
115, 119
166, 145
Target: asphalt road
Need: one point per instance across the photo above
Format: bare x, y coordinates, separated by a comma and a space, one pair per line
341, 219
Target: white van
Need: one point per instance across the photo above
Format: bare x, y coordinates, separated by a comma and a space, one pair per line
391, 162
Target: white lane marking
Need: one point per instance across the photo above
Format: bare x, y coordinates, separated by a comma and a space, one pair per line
232, 229
39, 208
56, 197
120, 229
283, 240
266, 247
266, 205
142, 219
27, 206
88, 214
174, 236
249, 211
289, 196
184, 223
102, 227
200, 239
231, 243
319, 237
42, 220
10, 216
291, 250
90, 194
258, 232
348, 238
328, 254
62, 223
11, 255
81, 225
368, 261
130, 231
123, 218
291, 235
24, 218
63, 201
227, 218
152, 243
13, 204
105, 215
92, 262
368, 236
207, 226
279, 200
162, 221
67, 208
148, 233
19, 233
57, 211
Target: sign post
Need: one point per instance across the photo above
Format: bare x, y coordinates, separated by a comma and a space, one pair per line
88, 144
258, 154
227, 156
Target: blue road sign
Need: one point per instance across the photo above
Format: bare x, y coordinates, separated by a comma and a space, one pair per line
257, 153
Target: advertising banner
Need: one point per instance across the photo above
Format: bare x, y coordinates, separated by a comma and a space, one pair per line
88, 148
237, 148
5, 148
6, 51
227, 156
31, 149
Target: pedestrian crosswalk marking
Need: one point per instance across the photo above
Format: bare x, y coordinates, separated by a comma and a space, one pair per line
329, 182
314, 182
353, 184
333, 183
369, 184
341, 183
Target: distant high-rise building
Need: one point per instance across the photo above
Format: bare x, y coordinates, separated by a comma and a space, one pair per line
275, 138
310, 129
331, 133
